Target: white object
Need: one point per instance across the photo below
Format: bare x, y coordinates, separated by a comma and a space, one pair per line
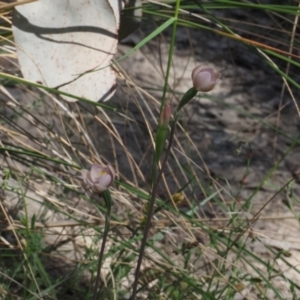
61, 42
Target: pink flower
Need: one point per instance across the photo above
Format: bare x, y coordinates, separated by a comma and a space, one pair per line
99, 178
205, 79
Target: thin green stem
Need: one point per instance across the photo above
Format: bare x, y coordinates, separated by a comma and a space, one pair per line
151, 206
107, 199
150, 213
170, 56
155, 182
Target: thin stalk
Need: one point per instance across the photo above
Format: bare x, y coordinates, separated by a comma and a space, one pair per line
107, 199
151, 208
170, 56
155, 178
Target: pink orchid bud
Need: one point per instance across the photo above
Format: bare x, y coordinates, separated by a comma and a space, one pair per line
165, 115
99, 178
205, 79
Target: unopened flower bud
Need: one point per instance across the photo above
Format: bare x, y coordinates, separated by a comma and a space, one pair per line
165, 115
99, 178
205, 78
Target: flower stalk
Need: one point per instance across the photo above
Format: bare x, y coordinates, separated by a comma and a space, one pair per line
204, 79
99, 178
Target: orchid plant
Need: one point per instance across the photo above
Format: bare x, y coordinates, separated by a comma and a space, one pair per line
99, 178
204, 79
